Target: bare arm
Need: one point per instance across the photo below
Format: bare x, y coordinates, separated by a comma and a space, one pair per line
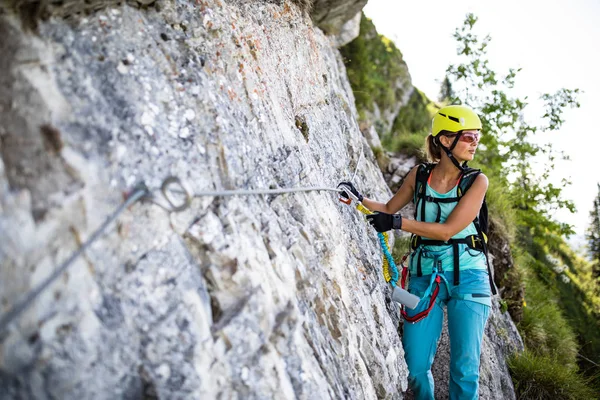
463, 214
403, 196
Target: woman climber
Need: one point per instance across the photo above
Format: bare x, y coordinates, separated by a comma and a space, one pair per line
448, 265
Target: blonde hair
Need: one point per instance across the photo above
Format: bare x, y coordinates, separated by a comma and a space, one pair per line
434, 150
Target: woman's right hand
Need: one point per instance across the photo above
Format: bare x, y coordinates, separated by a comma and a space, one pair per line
349, 187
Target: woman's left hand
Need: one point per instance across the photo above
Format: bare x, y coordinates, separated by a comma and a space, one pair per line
383, 222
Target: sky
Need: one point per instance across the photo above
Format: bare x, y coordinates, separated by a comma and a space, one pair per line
556, 43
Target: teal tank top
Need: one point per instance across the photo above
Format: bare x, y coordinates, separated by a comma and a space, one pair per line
442, 257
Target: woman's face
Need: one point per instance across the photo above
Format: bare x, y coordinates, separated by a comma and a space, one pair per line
467, 144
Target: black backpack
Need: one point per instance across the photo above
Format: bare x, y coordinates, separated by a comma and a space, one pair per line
480, 222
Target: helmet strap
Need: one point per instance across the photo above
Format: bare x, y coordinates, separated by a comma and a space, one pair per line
456, 139
449, 152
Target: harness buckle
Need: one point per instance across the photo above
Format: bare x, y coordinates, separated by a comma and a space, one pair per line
475, 242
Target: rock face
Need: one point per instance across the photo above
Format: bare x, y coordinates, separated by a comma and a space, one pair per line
380, 78
332, 15
349, 31
396, 169
237, 297
234, 297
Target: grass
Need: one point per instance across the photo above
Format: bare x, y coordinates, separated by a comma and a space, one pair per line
500, 209
544, 328
372, 62
559, 323
381, 157
580, 300
411, 127
401, 246
416, 115
410, 144
545, 378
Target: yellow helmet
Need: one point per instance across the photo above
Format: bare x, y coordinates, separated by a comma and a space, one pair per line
454, 119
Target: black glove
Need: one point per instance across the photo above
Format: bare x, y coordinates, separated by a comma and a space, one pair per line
352, 189
383, 222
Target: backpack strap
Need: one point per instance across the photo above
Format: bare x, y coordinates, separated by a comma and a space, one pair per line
466, 182
423, 172
467, 179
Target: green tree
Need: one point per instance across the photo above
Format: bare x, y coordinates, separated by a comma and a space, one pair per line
446, 91
593, 235
508, 148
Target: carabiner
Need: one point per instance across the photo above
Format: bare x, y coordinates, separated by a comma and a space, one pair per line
351, 197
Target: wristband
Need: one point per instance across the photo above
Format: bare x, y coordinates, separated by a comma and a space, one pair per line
397, 221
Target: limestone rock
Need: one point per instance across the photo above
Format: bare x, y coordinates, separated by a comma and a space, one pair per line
251, 297
349, 31
332, 15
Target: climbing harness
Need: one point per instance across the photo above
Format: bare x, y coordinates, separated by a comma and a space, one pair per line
476, 242
436, 278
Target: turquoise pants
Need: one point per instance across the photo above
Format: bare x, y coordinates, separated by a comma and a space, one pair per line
468, 309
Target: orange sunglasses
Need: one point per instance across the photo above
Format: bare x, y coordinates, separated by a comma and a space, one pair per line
468, 137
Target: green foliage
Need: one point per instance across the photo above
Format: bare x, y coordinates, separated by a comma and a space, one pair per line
546, 378
380, 156
500, 206
545, 330
503, 305
374, 65
562, 319
507, 146
579, 297
555, 105
377, 151
514, 291
502, 223
446, 91
415, 116
411, 144
411, 127
401, 246
593, 235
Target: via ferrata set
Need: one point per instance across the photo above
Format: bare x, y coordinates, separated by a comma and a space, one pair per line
174, 197
390, 270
